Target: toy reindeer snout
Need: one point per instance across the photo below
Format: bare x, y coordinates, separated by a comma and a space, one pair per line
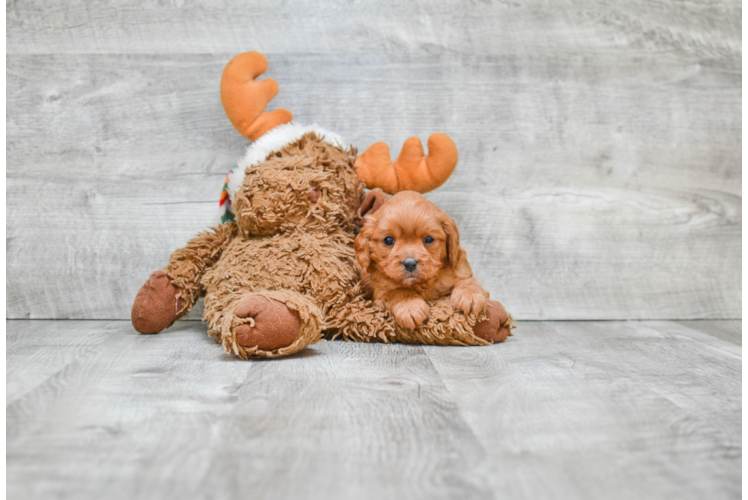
412, 170
244, 99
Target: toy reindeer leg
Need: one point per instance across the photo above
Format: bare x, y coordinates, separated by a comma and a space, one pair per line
264, 323
171, 293
363, 321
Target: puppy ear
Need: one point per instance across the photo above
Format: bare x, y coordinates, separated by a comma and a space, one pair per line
361, 245
453, 242
373, 201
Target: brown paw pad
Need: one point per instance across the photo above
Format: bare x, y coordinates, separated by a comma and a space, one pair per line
490, 328
272, 324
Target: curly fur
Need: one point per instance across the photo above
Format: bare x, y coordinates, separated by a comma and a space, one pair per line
441, 265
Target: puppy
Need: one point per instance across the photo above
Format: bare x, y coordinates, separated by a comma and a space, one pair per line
409, 252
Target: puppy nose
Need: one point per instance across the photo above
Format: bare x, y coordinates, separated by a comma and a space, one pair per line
410, 265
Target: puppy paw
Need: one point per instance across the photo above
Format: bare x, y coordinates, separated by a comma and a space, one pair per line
410, 313
468, 300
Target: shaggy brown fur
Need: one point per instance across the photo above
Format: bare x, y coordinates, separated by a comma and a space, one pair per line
293, 243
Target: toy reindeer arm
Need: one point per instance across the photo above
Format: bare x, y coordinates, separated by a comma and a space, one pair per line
171, 293
412, 170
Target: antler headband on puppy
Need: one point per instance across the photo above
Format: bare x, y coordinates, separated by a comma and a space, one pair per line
412, 170
244, 101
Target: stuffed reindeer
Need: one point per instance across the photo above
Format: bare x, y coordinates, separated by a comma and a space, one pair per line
279, 274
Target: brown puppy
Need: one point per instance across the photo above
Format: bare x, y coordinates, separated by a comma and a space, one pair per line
409, 252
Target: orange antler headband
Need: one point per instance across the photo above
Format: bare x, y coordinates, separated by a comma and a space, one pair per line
412, 170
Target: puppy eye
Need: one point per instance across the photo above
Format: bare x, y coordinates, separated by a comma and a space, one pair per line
389, 241
428, 239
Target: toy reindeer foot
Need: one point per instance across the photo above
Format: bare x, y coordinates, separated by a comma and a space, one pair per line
497, 325
156, 304
272, 324
413, 170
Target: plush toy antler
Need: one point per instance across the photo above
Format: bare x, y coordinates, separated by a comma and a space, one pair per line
244, 99
412, 170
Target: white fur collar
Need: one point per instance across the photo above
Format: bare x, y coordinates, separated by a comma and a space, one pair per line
271, 141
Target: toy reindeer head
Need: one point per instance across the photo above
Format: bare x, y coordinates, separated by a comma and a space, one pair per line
244, 100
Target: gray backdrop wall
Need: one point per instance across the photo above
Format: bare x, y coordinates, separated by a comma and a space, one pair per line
600, 142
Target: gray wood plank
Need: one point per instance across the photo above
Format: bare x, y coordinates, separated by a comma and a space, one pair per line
729, 331
36, 351
599, 410
352, 422
518, 123
172, 416
587, 188
710, 29
604, 253
107, 423
604, 410
745, 403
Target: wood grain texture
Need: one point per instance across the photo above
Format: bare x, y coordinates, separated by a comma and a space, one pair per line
729, 331
600, 410
39, 350
745, 403
604, 410
710, 29
603, 186
173, 416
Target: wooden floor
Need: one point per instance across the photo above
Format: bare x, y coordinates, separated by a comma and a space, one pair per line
598, 410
